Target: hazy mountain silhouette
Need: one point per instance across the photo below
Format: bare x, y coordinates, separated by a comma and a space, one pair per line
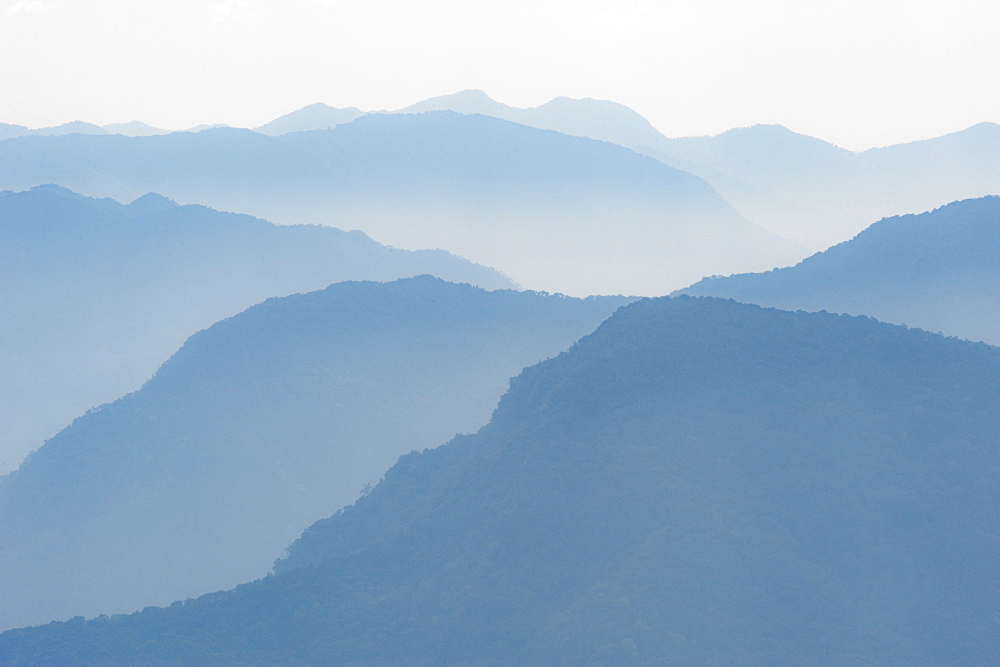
465, 102
818, 194
134, 128
208, 126
698, 481
75, 127
961, 165
595, 119
806, 187
793, 185
256, 428
555, 212
937, 270
96, 295
8, 131
312, 117
787, 182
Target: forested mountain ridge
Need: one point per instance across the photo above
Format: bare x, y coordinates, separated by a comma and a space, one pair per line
937, 270
255, 428
96, 294
698, 480
559, 213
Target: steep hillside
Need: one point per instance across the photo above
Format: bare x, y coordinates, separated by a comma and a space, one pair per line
937, 270
95, 295
699, 480
257, 427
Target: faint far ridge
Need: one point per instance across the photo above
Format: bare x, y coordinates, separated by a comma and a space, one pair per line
74, 127
135, 128
317, 116
203, 127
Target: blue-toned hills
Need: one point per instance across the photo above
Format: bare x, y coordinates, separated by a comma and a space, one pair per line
697, 481
254, 429
791, 184
95, 295
312, 117
938, 270
555, 212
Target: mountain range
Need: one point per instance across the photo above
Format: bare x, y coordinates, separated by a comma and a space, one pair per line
554, 212
694, 479
796, 186
133, 128
96, 294
255, 428
697, 481
937, 271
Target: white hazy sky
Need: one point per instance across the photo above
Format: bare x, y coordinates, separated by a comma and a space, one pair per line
856, 73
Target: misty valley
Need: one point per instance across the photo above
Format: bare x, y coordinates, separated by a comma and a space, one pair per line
472, 383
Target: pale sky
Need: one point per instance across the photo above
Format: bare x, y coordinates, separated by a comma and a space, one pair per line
856, 73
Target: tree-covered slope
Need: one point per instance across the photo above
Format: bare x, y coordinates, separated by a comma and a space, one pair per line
95, 295
257, 427
559, 213
699, 480
938, 270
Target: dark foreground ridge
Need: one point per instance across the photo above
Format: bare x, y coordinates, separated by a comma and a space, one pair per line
698, 480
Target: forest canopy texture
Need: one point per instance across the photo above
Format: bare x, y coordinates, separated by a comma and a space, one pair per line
697, 480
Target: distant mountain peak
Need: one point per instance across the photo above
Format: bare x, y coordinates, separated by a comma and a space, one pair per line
473, 95
575, 102
769, 130
151, 202
74, 127
317, 116
134, 128
54, 189
466, 101
205, 126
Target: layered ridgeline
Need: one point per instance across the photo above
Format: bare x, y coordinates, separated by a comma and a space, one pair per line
560, 213
133, 128
312, 117
256, 428
793, 185
796, 186
937, 270
698, 480
820, 194
95, 295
